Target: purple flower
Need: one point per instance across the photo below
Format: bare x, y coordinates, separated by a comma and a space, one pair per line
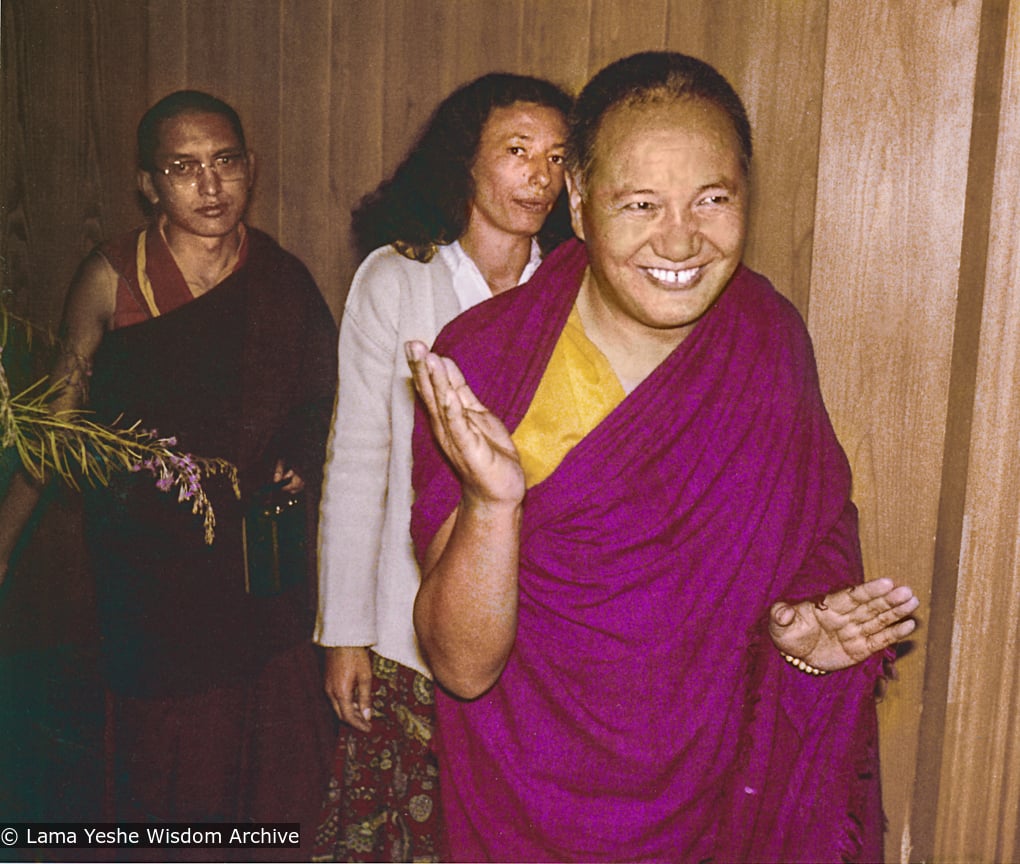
182, 470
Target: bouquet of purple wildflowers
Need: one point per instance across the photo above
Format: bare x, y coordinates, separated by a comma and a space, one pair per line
68, 444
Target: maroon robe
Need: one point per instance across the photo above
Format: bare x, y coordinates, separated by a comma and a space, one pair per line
246, 372
644, 714
195, 665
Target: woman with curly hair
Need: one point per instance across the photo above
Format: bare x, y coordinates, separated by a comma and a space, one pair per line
467, 215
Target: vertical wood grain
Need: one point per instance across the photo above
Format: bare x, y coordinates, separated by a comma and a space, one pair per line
66, 141
941, 641
57, 182
166, 48
618, 30
980, 777
117, 102
773, 53
885, 167
414, 40
307, 221
897, 108
489, 38
355, 128
555, 42
16, 260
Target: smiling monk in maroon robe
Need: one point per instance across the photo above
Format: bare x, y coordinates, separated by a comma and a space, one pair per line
642, 588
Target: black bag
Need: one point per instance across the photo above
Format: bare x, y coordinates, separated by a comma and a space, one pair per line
273, 534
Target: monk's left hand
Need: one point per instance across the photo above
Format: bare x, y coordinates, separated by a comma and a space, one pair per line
294, 483
847, 627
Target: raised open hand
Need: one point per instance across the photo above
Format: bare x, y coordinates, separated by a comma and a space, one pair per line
847, 626
475, 441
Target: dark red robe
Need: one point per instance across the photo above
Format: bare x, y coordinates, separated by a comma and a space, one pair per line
213, 690
644, 714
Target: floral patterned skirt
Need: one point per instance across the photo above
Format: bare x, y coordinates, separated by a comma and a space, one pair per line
382, 803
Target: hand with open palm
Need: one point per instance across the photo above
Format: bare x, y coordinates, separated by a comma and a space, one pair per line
846, 627
474, 440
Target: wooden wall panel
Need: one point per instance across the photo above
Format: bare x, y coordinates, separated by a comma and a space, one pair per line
555, 42
943, 640
883, 295
619, 30
167, 48
880, 166
65, 123
773, 53
355, 127
488, 39
979, 790
308, 224
415, 57
120, 83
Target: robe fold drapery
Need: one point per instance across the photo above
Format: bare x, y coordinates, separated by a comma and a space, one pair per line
644, 713
245, 372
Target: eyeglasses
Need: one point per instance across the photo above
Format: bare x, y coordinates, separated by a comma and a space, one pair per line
226, 166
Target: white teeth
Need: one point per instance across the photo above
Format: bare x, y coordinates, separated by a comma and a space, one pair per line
673, 277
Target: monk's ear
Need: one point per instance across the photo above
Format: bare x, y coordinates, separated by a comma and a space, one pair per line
147, 187
575, 195
249, 157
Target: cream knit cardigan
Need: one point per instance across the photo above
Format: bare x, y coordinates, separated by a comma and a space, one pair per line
368, 576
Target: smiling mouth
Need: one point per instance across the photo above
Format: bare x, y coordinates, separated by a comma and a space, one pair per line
535, 205
678, 278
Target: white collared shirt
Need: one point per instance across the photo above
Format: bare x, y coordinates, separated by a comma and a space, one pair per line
468, 282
